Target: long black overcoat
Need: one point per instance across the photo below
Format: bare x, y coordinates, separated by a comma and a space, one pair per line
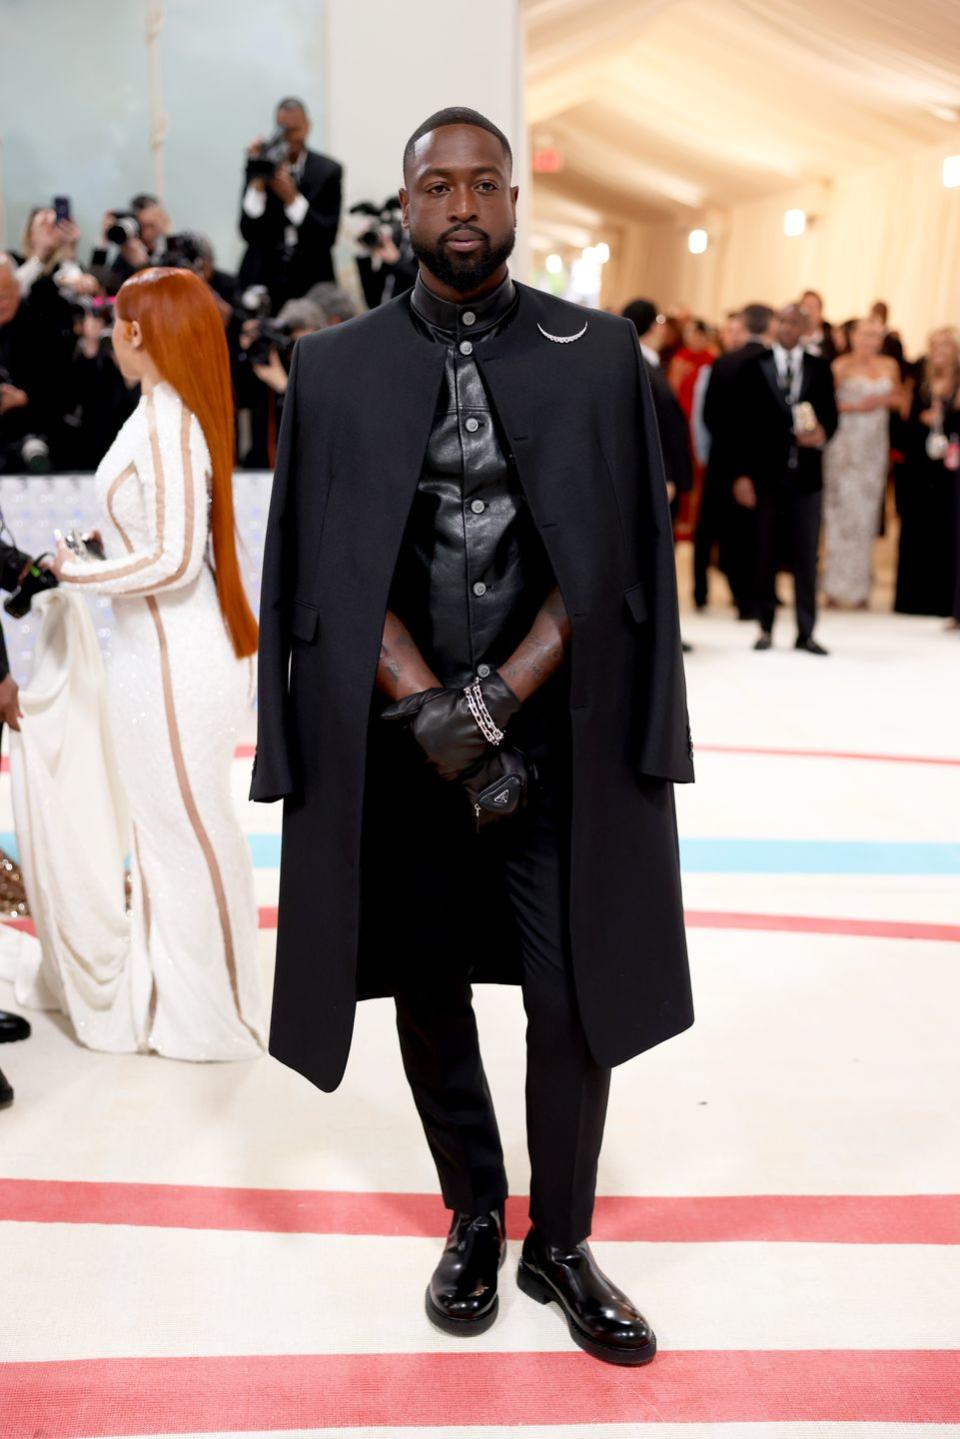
579, 421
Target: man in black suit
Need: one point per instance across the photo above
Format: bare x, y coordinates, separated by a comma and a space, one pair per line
671, 421
720, 518
13, 563
785, 412
290, 220
818, 332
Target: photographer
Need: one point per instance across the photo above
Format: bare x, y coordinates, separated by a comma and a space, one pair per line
98, 399
385, 260
190, 250
32, 378
291, 209
269, 343
140, 236
48, 256
266, 351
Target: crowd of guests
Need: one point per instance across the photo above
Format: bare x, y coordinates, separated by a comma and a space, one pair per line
775, 427
784, 428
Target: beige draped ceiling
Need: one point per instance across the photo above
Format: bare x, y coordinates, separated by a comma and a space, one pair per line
721, 114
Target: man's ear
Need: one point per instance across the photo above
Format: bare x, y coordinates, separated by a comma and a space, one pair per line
514, 192
404, 208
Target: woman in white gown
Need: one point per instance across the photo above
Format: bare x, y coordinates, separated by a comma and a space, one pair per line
178, 684
855, 464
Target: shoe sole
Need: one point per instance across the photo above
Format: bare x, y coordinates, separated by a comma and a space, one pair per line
464, 1328
535, 1288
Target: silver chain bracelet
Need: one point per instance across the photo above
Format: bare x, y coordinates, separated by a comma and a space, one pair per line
478, 708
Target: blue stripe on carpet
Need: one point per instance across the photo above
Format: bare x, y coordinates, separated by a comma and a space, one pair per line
740, 856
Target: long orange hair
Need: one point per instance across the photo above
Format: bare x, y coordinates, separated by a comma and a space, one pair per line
183, 334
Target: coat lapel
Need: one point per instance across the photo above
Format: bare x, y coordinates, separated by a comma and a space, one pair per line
769, 367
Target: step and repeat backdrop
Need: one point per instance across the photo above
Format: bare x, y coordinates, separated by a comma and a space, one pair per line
34, 507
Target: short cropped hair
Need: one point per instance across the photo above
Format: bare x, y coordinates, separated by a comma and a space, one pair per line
642, 314
456, 115
290, 102
757, 318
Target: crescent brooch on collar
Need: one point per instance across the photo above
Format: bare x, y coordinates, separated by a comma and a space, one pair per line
563, 339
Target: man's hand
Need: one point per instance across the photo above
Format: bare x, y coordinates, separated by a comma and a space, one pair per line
135, 253
745, 492
272, 373
12, 398
10, 711
45, 235
283, 185
813, 439
671, 492
443, 724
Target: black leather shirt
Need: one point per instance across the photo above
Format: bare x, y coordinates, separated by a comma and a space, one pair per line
472, 571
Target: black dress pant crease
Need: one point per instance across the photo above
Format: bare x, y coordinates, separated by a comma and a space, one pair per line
566, 1090
787, 527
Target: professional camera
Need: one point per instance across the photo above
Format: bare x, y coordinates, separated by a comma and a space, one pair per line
273, 153
125, 227
269, 335
34, 582
184, 252
378, 222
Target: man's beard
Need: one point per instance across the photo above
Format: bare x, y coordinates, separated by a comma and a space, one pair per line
463, 273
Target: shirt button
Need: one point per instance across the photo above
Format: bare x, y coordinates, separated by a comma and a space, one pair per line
482, 671
466, 348
477, 506
472, 425
468, 318
479, 588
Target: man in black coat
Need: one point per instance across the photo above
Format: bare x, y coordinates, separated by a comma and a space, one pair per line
468, 576
290, 220
784, 413
720, 519
671, 421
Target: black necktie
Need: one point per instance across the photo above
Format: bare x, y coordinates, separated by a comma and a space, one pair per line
788, 376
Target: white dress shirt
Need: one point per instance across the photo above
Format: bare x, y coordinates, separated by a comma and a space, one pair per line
651, 356
795, 357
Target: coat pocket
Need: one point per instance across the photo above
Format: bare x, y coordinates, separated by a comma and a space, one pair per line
636, 602
303, 625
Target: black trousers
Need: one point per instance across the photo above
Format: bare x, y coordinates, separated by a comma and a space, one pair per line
788, 529
566, 1090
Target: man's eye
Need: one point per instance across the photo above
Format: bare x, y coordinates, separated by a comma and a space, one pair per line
486, 185
437, 189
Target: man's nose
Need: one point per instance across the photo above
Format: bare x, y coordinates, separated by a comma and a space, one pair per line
462, 205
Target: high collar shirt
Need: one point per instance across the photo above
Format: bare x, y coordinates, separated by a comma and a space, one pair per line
472, 572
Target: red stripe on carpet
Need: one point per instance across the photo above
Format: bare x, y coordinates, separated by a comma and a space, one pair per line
778, 923
791, 1218
823, 754
820, 924
90, 1398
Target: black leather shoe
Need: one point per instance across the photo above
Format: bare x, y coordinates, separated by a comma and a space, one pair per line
808, 643
764, 641
12, 1027
6, 1093
600, 1317
462, 1294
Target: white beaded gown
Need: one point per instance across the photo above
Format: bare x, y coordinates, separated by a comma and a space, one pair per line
176, 700
855, 466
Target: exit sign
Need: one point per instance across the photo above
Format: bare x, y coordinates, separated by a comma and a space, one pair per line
547, 161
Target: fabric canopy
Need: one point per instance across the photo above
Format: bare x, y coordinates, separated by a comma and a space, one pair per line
675, 114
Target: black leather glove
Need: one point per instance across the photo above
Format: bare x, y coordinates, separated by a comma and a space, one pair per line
443, 725
500, 785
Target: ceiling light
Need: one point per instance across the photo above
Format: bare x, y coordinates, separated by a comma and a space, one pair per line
554, 264
697, 242
951, 171
603, 252
794, 222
